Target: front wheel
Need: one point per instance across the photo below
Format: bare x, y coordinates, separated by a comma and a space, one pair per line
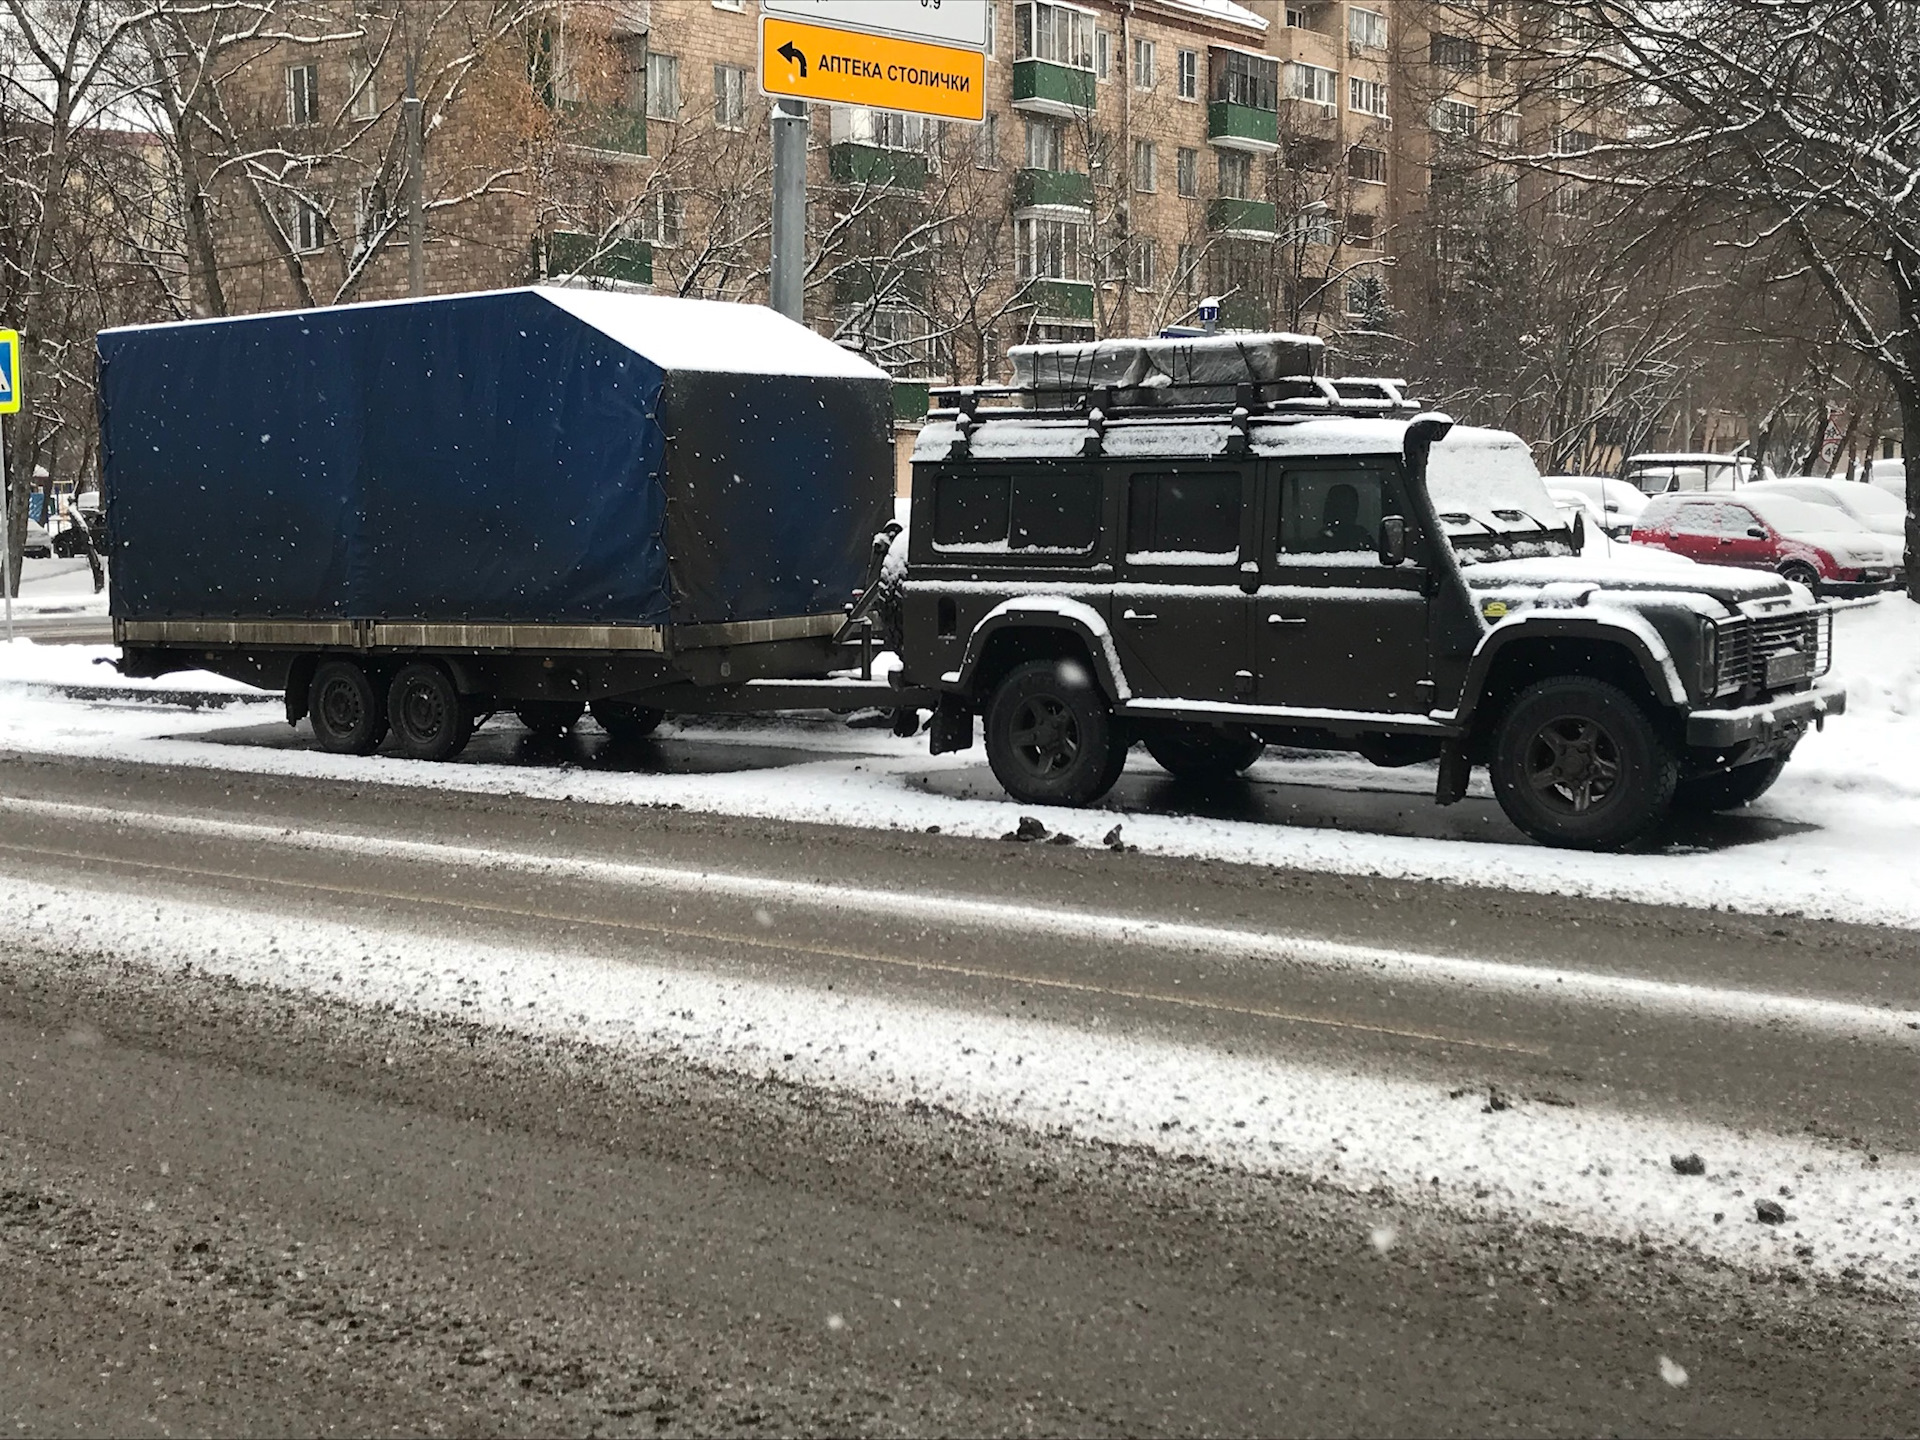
1729, 789
1051, 739
431, 718
1202, 753
1578, 764
1801, 573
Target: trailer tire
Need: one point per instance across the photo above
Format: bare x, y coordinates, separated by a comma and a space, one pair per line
431, 719
348, 711
550, 718
625, 722
1051, 738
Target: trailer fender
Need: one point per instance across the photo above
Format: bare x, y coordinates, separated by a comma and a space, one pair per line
1044, 613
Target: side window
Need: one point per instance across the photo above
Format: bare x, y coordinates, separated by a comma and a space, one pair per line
1331, 511
1737, 520
1055, 510
1694, 519
1177, 517
970, 512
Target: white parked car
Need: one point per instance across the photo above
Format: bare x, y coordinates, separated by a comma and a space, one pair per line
1890, 476
39, 544
1617, 503
1872, 507
1660, 474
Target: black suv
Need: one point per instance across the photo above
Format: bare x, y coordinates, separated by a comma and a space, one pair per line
1202, 546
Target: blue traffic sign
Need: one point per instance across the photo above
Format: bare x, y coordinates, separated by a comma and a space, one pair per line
9, 371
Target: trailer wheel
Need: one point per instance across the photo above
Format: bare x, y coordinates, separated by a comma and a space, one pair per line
1051, 739
431, 718
627, 723
550, 718
349, 714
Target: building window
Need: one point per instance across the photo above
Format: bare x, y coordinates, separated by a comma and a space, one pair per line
1503, 129
886, 129
663, 86
1048, 248
1454, 52
1236, 175
1103, 55
1143, 64
1311, 83
1367, 165
993, 26
1189, 74
1572, 142
1367, 97
306, 226
1046, 145
1361, 233
303, 94
1143, 263
1296, 18
366, 99
1143, 167
729, 97
1503, 187
893, 338
1367, 29
1241, 79
1053, 33
1313, 227
986, 142
1453, 117
1186, 171
660, 218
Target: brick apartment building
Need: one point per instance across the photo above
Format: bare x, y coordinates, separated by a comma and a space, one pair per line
1137, 155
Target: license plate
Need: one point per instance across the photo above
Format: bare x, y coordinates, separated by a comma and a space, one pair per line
1786, 666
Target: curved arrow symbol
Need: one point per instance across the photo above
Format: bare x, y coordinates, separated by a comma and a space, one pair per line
793, 55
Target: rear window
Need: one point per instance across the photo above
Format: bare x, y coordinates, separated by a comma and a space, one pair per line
970, 512
1184, 517
1048, 510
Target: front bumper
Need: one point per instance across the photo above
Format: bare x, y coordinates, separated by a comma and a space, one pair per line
1769, 720
1872, 582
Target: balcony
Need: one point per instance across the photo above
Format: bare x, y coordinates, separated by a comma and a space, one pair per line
1064, 189
1044, 88
1242, 127
1310, 117
854, 164
1061, 299
1252, 218
629, 262
609, 129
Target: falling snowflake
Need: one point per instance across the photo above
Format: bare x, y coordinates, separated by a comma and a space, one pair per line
1672, 1373
1383, 1238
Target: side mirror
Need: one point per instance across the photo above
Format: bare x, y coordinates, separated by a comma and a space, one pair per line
1393, 540
1579, 531
1756, 532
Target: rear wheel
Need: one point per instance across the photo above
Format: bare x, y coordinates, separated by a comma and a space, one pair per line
1051, 739
348, 712
1729, 789
627, 723
431, 719
1203, 752
550, 718
1577, 763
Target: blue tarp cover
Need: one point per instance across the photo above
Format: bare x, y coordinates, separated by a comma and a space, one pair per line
483, 458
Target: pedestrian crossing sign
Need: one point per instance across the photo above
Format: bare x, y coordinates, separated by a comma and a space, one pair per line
9, 371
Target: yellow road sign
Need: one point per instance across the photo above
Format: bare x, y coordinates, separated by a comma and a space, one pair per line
9, 371
846, 67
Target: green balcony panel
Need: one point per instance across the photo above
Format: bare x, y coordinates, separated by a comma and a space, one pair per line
1242, 216
1053, 187
1242, 127
1051, 89
852, 164
910, 400
1062, 299
598, 127
628, 261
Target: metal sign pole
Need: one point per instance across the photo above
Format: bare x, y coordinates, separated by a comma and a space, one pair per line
787, 282
6, 531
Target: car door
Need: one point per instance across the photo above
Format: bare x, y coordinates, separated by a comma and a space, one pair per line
1333, 627
1742, 538
1180, 612
1693, 531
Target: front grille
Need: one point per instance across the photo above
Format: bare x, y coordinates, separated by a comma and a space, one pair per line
1747, 643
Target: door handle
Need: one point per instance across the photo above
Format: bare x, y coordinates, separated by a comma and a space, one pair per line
1140, 617
1286, 619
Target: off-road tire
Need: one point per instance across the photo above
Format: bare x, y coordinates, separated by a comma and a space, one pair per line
550, 718
1573, 737
1801, 571
1204, 753
626, 722
1729, 789
348, 711
1051, 738
431, 719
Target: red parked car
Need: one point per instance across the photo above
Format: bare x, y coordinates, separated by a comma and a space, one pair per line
1824, 549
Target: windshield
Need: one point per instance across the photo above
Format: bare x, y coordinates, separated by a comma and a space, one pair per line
1491, 500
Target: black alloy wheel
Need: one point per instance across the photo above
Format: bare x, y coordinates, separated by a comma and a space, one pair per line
1578, 763
625, 722
431, 719
1051, 738
348, 713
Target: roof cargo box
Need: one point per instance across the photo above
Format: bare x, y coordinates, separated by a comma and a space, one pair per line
1175, 371
526, 456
